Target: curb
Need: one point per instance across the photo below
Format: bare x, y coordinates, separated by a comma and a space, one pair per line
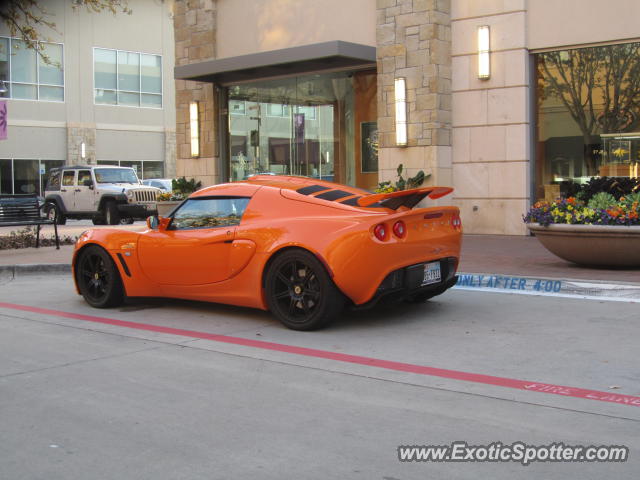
554, 287
35, 268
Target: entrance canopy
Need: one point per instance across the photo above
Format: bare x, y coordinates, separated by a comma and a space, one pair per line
333, 55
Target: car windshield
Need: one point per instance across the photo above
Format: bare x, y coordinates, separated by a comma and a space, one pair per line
116, 175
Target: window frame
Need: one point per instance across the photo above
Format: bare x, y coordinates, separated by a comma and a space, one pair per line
117, 90
37, 83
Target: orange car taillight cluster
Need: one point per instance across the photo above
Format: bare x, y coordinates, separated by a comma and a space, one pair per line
381, 231
456, 222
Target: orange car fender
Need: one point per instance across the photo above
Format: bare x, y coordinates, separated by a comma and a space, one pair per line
122, 247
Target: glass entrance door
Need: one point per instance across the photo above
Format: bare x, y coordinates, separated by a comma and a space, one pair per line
296, 126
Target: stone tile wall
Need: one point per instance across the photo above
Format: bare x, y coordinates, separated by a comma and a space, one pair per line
491, 118
414, 41
195, 37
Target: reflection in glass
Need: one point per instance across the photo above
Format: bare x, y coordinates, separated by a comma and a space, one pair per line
128, 71
4, 66
291, 126
209, 213
26, 176
6, 177
105, 69
23, 63
151, 73
51, 73
588, 115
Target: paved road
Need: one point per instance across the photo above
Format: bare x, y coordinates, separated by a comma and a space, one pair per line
82, 396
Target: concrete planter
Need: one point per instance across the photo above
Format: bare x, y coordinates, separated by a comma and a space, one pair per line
598, 245
165, 208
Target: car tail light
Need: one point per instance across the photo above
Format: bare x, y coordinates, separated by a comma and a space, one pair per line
380, 231
400, 229
456, 222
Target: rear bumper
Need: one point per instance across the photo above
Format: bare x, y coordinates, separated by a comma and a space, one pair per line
406, 283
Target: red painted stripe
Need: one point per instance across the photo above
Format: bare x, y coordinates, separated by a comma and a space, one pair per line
343, 357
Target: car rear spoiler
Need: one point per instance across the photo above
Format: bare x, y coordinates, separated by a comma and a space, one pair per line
403, 198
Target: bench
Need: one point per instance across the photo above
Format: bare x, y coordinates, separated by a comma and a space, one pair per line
23, 210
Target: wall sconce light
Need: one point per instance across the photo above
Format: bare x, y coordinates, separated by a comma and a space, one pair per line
484, 61
194, 125
83, 151
401, 111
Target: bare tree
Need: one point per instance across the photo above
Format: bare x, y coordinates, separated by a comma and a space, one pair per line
27, 19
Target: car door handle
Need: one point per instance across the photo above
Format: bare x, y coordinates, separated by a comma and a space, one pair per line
63, 190
77, 190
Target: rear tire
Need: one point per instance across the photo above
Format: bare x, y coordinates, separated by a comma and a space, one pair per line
110, 213
98, 278
300, 293
53, 213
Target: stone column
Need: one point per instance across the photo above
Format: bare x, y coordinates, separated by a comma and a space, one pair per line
78, 133
414, 42
195, 37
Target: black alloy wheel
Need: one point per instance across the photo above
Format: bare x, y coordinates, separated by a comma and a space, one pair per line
300, 293
98, 278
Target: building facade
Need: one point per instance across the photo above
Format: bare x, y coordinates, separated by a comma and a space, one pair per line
106, 97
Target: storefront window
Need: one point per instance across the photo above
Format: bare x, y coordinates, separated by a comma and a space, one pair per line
302, 126
6, 176
144, 169
588, 116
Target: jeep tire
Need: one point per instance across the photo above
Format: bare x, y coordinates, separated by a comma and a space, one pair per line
52, 212
110, 213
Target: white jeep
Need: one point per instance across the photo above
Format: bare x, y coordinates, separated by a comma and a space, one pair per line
104, 194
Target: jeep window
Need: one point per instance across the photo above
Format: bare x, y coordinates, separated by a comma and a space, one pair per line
209, 212
115, 175
67, 178
83, 175
54, 180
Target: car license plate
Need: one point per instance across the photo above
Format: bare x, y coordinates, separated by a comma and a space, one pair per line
431, 273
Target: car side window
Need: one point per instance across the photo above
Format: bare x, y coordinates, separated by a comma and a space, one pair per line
209, 212
83, 175
67, 178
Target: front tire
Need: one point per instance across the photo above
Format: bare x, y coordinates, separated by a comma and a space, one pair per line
300, 293
98, 278
110, 213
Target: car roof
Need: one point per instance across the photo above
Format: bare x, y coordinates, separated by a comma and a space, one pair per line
298, 188
89, 167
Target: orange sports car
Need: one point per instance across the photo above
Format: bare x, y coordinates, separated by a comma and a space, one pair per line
301, 248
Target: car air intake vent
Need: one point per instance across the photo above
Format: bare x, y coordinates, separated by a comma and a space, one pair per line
142, 196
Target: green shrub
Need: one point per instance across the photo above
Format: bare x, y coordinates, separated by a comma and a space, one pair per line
602, 201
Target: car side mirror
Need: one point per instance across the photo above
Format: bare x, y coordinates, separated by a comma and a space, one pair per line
158, 223
153, 222
88, 183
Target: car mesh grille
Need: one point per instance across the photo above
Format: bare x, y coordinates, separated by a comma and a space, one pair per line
145, 196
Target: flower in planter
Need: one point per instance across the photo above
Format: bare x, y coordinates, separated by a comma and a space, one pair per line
600, 211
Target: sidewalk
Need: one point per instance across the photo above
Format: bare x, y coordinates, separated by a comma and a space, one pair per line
490, 254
